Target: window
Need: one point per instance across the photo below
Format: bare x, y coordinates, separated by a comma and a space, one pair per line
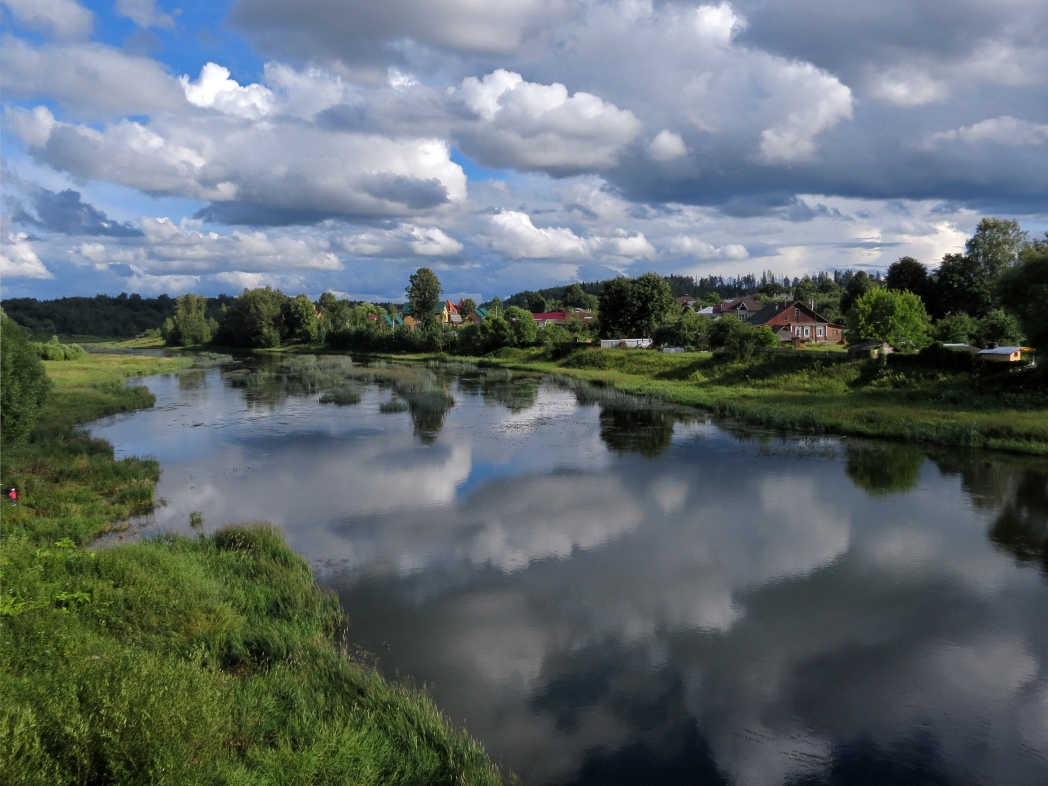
818, 331
807, 332
796, 313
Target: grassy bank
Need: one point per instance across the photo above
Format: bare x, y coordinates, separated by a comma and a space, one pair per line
812, 394
179, 660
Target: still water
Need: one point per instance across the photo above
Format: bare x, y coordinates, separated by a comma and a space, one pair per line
609, 594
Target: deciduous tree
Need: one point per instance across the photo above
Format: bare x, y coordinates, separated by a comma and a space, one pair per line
898, 318
424, 294
23, 383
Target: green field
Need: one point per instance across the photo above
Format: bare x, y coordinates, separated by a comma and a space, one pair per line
207, 660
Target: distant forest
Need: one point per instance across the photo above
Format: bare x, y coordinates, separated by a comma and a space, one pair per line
123, 316
126, 316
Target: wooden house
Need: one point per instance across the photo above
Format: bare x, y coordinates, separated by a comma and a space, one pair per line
795, 320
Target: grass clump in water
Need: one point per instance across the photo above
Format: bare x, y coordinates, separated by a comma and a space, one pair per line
343, 396
393, 405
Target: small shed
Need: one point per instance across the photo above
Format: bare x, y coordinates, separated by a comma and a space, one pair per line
869, 349
996, 354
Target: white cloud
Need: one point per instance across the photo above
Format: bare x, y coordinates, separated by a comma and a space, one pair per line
144, 13
908, 87
61, 18
18, 260
687, 245
1005, 130
214, 89
89, 80
275, 165
817, 102
624, 244
513, 234
405, 240
667, 146
532, 126
304, 93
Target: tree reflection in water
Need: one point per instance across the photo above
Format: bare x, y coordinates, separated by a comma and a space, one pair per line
884, 469
645, 431
1018, 490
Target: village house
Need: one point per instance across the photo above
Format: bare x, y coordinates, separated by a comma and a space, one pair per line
561, 317
687, 302
793, 321
996, 354
742, 307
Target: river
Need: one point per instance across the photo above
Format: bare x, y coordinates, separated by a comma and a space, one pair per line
604, 592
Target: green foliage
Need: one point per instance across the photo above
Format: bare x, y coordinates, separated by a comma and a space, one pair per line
1024, 292
995, 246
576, 297
469, 306
189, 326
688, 330
956, 329
55, 350
634, 308
534, 302
737, 340
254, 319
522, 325
859, 285
898, 318
300, 320
999, 327
423, 293
335, 313
909, 275
962, 287
123, 316
23, 383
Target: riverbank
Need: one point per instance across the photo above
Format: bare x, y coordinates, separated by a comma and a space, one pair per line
179, 660
808, 393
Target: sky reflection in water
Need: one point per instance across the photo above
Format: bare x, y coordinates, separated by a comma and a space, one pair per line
620, 596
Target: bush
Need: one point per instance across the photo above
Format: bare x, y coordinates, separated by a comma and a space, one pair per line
23, 383
53, 350
737, 340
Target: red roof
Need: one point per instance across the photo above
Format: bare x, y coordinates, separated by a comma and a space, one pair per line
552, 315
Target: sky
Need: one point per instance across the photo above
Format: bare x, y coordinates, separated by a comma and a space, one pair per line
339, 145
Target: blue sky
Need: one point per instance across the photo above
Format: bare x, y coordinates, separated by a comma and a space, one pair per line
156, 147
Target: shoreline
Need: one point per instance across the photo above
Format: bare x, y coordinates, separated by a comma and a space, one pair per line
225, 641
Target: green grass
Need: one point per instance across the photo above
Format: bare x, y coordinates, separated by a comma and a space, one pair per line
813, 394
207, 660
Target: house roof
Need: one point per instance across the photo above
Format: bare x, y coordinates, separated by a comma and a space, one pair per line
747, 302
773, 310
1001, 350
559, 315
685, 299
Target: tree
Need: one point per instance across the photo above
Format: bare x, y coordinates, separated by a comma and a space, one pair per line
300, 319
534, 302
469, 306
995, 246
424, 294
689, 330
961, 287
334, 313
24, 384
955, 329
253, 319
496, 306
999, 327
908, 275
525, 331
576, 297
634, 308
1024, 292
859, 285
189, 326
899, 318
737, 340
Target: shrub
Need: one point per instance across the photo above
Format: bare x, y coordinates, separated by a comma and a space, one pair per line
23, 383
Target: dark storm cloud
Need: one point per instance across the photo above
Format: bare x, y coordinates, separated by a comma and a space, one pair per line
252, 214
66, 213
413, 192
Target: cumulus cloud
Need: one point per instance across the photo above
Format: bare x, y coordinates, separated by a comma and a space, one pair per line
825, 102
18, 260
667, 146
65, 212
214, 89
144, 13
531, 126
60, 18
513, 233
1005, 130
405, 240
89, 80
288, 171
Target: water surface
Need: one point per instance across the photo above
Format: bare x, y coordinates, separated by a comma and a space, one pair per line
623, 595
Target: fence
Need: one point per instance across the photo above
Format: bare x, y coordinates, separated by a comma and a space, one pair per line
625, 343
